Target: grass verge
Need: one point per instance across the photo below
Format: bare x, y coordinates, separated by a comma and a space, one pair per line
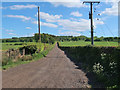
36, 56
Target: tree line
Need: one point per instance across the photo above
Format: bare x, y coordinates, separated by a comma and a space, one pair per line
48, 38
45, 38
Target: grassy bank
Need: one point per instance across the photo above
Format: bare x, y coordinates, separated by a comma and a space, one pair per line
84, 43
28, 58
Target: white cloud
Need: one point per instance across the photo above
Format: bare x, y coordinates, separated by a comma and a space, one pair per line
114, 8
66, 24
2, 7
11, 33
18, 7
67, 3
111, 11
28, 28
69, 33
97, 22
77, 14
9, 30
28, 35
45, 24
49, 24
24, 18
81, 25
48, 17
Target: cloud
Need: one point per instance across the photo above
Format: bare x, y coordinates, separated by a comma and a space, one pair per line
11, 33
114, 8
67, 3
28, 35
18, 7
49, 24
49, 18
9, 30
24, 18
2, 7
111, 11
77, 14
69, 33
81, 25
28, 28
67, 24
98, 22
45, 24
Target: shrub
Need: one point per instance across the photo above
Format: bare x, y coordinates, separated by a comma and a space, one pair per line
26, 58
30, 49
88, 39
97, 39
4, 62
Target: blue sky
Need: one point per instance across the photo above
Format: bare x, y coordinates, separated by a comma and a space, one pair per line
19, 19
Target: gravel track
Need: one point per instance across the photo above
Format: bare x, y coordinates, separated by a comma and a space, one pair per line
55, 70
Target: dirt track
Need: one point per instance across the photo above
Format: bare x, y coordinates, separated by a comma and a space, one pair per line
53, 71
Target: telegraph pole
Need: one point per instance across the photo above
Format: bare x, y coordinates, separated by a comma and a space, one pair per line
91, 17
39, 24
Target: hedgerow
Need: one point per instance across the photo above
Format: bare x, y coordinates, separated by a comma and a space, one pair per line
104, 62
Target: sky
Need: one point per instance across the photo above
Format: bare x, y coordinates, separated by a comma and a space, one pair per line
19, 19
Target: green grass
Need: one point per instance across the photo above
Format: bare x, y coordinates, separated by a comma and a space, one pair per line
83, 43
36, 56
6, 46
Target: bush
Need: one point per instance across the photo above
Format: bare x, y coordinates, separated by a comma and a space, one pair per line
18, 44
26, 58
30, 49
88, 39
4, 62
97, 39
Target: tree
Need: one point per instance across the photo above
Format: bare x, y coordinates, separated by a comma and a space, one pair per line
36, 37
51, 40
97, 39
88, 39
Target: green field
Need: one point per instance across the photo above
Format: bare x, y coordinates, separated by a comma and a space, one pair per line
9, 45
83, 43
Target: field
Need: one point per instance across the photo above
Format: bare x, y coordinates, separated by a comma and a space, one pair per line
83, 43
15, 45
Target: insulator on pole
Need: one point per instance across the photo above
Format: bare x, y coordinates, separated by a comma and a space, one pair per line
98, 19
99, 14
89, 15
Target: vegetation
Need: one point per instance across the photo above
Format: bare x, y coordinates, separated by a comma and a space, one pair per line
45, 38
102, 61
32, 53
84, 43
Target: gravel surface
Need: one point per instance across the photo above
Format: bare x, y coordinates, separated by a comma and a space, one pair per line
53, 71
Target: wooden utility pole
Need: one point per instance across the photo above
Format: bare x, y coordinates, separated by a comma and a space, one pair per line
91, 17
39, 24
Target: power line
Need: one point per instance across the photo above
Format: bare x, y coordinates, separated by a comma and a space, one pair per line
107, 26
102, 30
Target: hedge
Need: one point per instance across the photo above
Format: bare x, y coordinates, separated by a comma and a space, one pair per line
104, 62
